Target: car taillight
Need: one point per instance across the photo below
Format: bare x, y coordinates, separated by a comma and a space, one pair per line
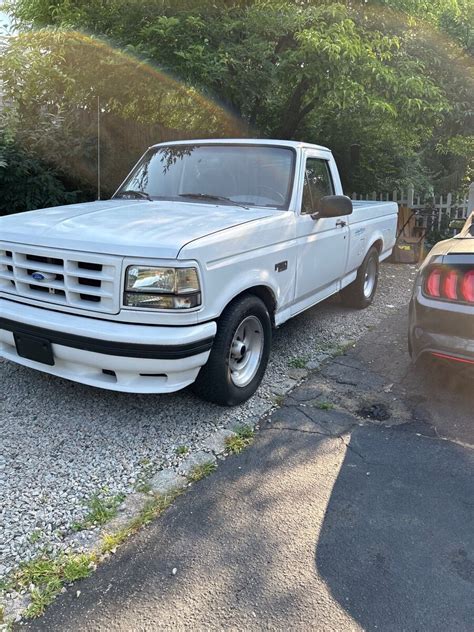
450, 284
467, 286
433, 283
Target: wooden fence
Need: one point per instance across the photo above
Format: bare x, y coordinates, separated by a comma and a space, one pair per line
433, 213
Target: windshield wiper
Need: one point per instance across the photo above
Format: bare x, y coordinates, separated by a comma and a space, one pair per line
209, 196
139, 194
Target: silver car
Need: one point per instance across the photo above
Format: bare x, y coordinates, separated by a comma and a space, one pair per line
441, 321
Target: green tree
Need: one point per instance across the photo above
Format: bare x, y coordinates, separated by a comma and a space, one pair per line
26, 183
394, 77
58, 83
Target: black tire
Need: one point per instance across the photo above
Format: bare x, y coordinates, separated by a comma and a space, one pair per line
354, 294
215, 382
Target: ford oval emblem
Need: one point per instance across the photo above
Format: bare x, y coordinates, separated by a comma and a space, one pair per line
38, 276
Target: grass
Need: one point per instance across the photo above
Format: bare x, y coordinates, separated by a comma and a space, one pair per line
298, 362
44, 577
143, 487
324, 406
153, 509
181, 450
340, 349
244, 436
41, 598
334, 350
5, 585
101, 510
278, 400
79, 566
35, 536
201, 471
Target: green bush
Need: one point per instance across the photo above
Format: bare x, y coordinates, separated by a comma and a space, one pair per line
26, 183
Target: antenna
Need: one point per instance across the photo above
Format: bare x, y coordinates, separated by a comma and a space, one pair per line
98, 148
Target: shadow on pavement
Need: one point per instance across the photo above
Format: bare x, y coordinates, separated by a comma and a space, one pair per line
323, 524
397, 543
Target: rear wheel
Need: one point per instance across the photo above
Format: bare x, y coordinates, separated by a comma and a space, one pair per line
239, 355
361, 292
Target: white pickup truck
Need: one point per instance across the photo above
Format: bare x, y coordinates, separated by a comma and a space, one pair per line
181, 276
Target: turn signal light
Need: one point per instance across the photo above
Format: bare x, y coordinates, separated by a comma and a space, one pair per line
450, 284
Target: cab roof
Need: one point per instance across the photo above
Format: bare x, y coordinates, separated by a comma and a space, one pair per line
244, 141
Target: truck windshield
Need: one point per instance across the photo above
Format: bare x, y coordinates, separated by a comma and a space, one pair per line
247, 175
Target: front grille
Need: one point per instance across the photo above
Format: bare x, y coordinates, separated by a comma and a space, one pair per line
79, 280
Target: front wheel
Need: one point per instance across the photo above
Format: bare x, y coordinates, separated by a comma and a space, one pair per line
361, 292
239, 355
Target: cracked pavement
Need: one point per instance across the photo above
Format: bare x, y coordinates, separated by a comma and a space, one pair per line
332, 520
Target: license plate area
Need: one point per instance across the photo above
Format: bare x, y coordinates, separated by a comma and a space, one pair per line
34, 348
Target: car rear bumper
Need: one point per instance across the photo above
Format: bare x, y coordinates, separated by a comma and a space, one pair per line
441, 329
115, 356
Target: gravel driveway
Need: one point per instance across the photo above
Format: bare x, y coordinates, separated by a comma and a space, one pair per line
64, 442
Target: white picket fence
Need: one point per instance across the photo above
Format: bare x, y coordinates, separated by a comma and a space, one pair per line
433, 213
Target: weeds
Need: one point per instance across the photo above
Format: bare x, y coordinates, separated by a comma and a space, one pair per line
44, 577
41, 598
298, 362
78, 567
324, 405
340, 349
201, 471
101, 510
35, 536
154, 508
143, 487
181, 450
244, 436
334, 350
278, 400
5, 585
37, 572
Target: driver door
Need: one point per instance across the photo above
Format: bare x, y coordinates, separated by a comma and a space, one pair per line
323, 242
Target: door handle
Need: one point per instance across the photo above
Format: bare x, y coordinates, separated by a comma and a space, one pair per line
341, 223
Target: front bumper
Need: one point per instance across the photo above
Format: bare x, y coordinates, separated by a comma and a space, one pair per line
116, 356
440, 328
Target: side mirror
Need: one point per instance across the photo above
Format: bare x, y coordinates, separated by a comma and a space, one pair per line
333, 206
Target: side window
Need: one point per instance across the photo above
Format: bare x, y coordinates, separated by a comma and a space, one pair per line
317, 184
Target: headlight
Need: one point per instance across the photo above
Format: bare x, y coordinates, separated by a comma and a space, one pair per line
162, 288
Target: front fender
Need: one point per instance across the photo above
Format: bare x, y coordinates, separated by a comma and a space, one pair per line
245, 282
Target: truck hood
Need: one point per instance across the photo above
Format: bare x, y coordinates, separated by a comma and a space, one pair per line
157, 229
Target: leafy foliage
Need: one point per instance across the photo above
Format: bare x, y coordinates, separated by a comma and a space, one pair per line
26, 183
393, 77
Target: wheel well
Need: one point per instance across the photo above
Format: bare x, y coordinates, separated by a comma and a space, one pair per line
378, 244
265, 294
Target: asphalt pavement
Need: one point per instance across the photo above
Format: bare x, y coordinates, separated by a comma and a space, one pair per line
353, 510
